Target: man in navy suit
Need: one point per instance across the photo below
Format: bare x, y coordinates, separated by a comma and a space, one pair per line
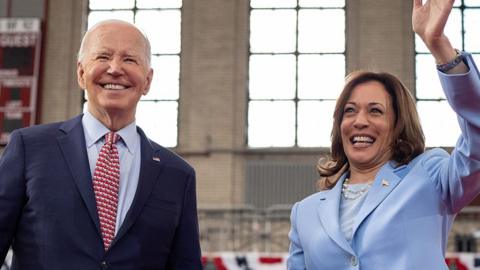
48, 208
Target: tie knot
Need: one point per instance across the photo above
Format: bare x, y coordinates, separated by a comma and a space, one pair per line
111, 137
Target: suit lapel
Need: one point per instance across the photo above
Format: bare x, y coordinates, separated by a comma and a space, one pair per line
385, 181
150, 168
72, 144
328, 211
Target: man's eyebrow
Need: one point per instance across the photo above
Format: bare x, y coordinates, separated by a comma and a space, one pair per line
102, 51
130, 55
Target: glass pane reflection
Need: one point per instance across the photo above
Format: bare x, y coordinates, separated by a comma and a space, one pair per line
96, 16
159, 4
476, 58
322, 3
272, 76
320, 76
159, 121
427, 82
272, 31
111, 4
315, 25
271, 124
273, 3
166, 72
439, 123
472, 30
162, 28
315, 120
471, 3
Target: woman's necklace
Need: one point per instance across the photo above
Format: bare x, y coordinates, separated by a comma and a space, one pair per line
350, 193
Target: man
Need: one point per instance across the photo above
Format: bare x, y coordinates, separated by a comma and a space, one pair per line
94, 192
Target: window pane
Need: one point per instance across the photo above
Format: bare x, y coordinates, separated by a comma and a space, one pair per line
472, 30
97, 16
159, 121
320, 76
471, 3
165, 84
111, 4
452, 30
322, 3
273, 3
476, 58
315, 120
315, 25
439, 123
428, 84
272, 30
162, 28
159, 4
271, 124
272, 76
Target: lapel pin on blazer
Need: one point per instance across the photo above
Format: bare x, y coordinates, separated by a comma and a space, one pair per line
385, 183
157, 159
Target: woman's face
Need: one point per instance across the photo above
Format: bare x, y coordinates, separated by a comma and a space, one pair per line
367, 126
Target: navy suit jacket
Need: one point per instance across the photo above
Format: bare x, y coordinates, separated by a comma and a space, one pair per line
48, 212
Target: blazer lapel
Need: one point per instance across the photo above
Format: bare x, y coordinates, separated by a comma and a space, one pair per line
150, 168
385, 181
72, 144
328, 211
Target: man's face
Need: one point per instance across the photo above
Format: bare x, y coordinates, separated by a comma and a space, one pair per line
114, 70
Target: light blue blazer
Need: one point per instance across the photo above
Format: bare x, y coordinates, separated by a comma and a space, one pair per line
405, 220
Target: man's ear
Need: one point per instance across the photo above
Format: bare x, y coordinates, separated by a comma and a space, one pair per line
81, 76
148, 81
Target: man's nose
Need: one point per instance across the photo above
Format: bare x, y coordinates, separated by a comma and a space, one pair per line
115, 67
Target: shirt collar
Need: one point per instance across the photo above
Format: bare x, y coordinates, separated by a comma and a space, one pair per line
95, 130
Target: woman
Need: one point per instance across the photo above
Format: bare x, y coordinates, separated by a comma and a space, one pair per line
385, 203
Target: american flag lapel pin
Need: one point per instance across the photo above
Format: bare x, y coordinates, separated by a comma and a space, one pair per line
157, 159
385, 183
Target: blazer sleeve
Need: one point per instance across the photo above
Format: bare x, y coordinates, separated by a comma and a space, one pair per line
458, 177
12, 190
296, 260
186, 254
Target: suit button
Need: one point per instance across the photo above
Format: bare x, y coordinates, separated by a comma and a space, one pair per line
354, 261
104, 265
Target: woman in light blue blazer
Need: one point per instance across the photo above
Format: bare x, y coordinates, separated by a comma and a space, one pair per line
386, 203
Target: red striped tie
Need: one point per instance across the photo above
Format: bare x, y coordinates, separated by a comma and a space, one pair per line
106, 179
